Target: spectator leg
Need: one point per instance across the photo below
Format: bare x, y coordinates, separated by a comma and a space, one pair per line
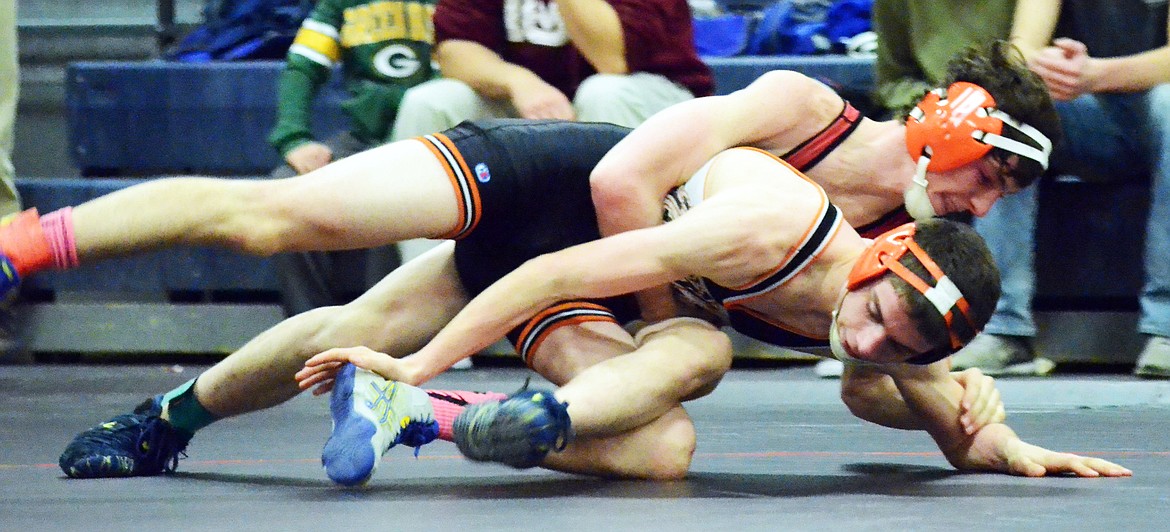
626, 100
440, 104
1155, 299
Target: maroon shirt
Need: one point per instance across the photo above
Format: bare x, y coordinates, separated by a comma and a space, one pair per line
659, 39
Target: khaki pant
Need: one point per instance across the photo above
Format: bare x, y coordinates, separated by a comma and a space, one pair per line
9, 93
625, 100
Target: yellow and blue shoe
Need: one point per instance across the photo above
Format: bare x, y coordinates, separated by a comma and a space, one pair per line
129, 445
371, 415
518, 431
9, 278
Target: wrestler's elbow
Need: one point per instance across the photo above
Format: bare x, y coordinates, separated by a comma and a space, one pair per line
612, 189
866, 399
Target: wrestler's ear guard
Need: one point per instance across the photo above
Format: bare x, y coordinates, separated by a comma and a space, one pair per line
946, 297
958, 125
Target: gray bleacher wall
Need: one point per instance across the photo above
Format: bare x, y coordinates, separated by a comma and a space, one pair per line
54, 33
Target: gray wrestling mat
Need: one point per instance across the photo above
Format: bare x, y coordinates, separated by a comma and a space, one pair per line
776, 451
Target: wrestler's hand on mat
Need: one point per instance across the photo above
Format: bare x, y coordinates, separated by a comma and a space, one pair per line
981, 404
320, 370
308, 157
996, 447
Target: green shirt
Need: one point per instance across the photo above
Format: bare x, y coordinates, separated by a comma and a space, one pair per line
384, 48
916, 39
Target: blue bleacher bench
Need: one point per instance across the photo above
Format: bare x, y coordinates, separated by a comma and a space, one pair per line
135, 118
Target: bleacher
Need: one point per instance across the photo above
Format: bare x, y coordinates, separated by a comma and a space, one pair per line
130, 119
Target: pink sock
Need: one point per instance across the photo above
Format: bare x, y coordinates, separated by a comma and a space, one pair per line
58, 228
450, 403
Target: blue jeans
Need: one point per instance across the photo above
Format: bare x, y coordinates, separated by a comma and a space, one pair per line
1116, 133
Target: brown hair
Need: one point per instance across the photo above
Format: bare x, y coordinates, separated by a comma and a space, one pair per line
964, 258
999, 67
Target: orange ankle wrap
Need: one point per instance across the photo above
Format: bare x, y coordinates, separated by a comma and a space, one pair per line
23, 241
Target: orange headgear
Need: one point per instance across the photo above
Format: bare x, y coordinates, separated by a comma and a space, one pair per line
883, 256
957, 126
961, 124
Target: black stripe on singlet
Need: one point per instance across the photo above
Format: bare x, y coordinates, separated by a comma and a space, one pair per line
808, 250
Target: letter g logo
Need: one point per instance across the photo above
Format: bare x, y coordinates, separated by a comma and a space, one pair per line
396, 61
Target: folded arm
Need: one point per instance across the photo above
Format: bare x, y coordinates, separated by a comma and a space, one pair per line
491, 76
873, 396
608, 267
931, 394
630, 182
596, 31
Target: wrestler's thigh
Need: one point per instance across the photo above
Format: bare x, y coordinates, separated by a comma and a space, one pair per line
570, 349
405, 309
384, 195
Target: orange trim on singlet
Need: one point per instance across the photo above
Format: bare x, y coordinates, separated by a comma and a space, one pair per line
525, 346
804, 237
467, 220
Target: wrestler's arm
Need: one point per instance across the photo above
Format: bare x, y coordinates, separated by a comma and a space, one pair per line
933, 395
629, 183
703, 239
872, 395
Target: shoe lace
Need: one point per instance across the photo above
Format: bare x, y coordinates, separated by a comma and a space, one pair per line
560, 414
160, 444
151, 441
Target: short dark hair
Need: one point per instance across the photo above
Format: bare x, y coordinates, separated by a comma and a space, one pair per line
964, 258
999, 67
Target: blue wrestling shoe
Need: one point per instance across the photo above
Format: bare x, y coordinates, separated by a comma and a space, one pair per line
371, 415
130, 445
9, 278
518, 431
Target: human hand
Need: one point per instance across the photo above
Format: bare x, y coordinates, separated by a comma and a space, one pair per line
981, 404
308, 157
996, 447
537, 99
322, 368
1065, 68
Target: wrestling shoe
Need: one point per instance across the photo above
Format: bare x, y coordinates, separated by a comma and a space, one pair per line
1154, 362
9, 279
371, 415
23, 248
130, 445
1001, 355
518, 431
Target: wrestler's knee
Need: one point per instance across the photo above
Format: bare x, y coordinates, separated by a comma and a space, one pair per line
700, 354
671, 454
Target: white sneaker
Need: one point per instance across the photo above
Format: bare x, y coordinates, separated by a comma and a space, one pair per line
829, 368
464, 364
1002, 356
1154, 362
